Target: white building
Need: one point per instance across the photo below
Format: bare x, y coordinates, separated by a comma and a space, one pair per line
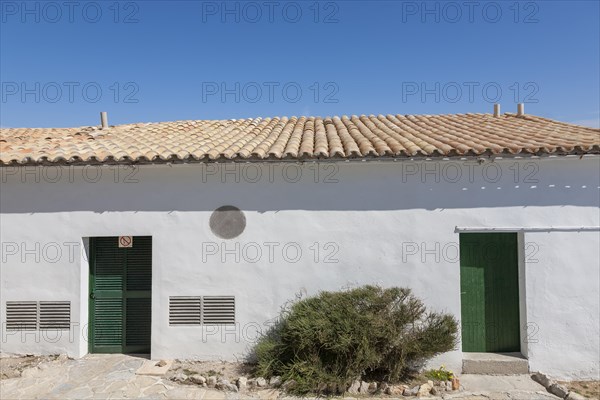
115, 239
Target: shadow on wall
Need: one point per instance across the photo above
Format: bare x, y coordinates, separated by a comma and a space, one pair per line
428, 185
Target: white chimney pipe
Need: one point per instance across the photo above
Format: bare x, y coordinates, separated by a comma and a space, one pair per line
520, 109
104, 120
496, 110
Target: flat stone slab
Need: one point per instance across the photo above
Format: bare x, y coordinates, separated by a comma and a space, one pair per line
154, 367
495, 364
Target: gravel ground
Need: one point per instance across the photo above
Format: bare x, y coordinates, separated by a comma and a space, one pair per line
589, 389
13, 366
221, 369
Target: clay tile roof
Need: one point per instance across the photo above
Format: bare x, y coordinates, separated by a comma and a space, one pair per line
298, 138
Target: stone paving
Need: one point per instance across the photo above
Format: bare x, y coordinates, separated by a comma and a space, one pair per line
113, 376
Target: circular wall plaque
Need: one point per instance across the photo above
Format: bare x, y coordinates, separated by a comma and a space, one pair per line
227, 222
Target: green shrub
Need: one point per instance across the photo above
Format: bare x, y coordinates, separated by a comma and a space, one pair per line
441, 374
325, 342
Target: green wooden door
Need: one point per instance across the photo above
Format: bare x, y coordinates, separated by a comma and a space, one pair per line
489, 284
120, 295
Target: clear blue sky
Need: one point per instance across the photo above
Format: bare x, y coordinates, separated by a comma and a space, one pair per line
161, 61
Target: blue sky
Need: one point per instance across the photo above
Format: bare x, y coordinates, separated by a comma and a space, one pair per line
62, 63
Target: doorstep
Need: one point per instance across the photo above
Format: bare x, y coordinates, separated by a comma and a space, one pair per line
495, 364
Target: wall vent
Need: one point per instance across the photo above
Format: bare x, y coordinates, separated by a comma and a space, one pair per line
33, 315
21, 315
185, 310
55, 314
218, 310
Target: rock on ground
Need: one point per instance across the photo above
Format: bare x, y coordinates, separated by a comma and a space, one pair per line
242, 383
261, 382
354, 387
558, 390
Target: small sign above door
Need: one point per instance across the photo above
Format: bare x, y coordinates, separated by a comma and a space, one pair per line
125, 241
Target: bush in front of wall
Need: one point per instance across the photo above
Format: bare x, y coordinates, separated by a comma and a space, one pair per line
441, 374
323, 343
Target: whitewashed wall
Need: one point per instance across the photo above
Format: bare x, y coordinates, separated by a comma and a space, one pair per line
389, 223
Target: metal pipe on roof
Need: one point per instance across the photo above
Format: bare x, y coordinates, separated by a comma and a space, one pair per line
104, 119
496, 110
520, 109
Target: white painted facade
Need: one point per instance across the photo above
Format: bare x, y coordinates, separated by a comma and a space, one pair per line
391, 223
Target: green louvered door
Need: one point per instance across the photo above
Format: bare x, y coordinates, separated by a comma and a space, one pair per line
489, 286
120, 295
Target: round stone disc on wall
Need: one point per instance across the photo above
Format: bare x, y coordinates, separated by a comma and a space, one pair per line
227, 222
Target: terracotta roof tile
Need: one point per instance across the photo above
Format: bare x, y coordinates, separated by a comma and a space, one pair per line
298, 138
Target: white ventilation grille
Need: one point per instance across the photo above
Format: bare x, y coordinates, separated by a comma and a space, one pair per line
21, 315
33, 315
218, 310
185, 310
55, 314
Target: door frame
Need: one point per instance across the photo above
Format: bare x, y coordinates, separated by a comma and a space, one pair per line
525, 330
122, 349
